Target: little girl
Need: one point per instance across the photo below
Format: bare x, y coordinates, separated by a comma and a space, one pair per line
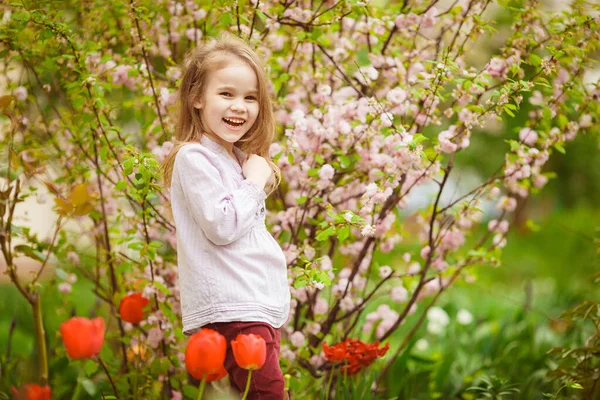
232, 272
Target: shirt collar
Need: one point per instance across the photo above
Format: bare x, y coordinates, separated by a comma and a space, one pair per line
218, 148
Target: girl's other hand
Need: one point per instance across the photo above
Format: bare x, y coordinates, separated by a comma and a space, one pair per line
257, 169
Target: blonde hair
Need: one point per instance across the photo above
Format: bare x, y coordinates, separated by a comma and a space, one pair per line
199, 63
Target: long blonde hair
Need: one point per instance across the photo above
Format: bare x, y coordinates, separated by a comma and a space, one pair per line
199, 63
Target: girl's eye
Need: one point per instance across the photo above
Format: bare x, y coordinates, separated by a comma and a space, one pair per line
227, 94
251, 98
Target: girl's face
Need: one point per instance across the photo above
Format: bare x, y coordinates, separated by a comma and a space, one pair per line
229, 105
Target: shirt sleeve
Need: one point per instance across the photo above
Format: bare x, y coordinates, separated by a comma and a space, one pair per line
223, 215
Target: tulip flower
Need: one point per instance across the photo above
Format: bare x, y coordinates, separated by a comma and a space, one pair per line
250, 352
217, 375
204, 357
82, 337
31, 391
132, 306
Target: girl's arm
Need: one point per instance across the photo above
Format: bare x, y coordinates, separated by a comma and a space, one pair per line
224, 216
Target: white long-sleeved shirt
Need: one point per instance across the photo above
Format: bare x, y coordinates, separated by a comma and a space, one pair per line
230, 267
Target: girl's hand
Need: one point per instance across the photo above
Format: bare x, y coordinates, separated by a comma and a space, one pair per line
257, 169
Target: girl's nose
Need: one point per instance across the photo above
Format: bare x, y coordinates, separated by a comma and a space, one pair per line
237, 106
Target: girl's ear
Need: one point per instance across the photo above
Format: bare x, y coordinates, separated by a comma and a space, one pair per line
197, 104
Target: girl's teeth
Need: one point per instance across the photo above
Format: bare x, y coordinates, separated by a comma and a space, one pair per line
234, 122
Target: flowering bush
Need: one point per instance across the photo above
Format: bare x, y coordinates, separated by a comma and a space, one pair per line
375, 104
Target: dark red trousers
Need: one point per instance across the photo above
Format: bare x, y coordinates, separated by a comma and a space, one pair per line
267, 383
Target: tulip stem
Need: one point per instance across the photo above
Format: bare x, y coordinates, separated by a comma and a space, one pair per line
78, 386
247, 384
40, 337
201, 388
108, 375
329, 383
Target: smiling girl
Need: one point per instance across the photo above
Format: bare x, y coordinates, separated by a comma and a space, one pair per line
232, 272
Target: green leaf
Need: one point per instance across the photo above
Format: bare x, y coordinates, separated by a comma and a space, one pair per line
324, 235
162, 288
261, 15
22, 16
61, 273
574, 385
29, 252
190, 391
88, 385
90, 367
300, 281
362, 57
559, 147
508, 111
343, 233
535, 60
344, 161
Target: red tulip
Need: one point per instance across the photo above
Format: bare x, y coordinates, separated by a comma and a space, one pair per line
217, 375
205, 354
132, 308
249, 351
82, 337
31, 391
335, 353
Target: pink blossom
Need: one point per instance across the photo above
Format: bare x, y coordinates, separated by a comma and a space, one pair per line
199, 14
346, 304
297, 339
399, 294
64, 287
585, 121
71, 278
396, 95
536, 98
387, 119
317, 360
326, 172
193, 34
20, 93
368, 230
287, 354
439, 264
425, 252
291, 252
325, 263
175, 395
452, 239
446, 145
313, 328
385, 271
507, 203
155, 335
73, 257
321, 306
499, 240
539, 181
429, 18
528, 136
500, 227
497, 67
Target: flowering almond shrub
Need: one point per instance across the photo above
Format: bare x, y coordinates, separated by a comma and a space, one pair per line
375, 104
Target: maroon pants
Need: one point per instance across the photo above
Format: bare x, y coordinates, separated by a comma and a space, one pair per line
266, 383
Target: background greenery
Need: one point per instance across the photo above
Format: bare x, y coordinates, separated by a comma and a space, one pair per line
547, 267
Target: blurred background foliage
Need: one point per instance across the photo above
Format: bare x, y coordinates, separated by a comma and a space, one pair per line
548, 266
